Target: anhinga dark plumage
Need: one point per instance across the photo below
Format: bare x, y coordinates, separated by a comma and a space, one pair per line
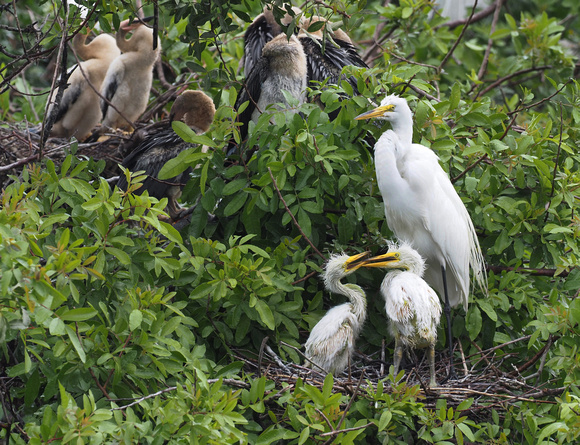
194, 108
130, 76
327, 57
79, 110
281, 67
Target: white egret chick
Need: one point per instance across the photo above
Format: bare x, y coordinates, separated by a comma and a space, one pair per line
422, 206
412, 306
331, 342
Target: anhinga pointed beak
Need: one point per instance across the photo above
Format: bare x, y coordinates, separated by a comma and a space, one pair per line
355, 261
129, 25
377, 112
386, 260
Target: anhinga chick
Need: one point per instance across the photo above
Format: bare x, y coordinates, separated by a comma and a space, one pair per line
79, 110
194, 108
130, 76
281, 67
263, 29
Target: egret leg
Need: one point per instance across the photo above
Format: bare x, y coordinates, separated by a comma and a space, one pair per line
398, 355
431, 353
452, 375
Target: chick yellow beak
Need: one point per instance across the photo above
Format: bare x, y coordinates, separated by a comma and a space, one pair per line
355, 261
377, 112
386, 260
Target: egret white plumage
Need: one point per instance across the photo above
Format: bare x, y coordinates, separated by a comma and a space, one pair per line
151, 153
130, 75
412, 306
422, 206
79, 110
331, 342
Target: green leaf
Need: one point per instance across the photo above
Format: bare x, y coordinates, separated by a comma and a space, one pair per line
79, 314
72, 335
473, 322
135, 319
265, 314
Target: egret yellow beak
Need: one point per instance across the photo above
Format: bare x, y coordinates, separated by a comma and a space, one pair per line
387, 260
355, 261
377, 112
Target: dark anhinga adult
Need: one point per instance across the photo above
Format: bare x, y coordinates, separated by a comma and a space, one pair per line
79, 110
281, 67
326, 59
130, 76
194, 108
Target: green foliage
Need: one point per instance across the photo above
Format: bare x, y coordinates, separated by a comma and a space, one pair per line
103, 303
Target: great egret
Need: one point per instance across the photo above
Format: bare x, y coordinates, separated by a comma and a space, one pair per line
411, 305
422, 206
331, 342
79, 110
130, 76
194, 108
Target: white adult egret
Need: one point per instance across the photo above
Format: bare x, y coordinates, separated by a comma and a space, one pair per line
79, 110
422, 206
130, 76
194, 108
412, 306
331, 342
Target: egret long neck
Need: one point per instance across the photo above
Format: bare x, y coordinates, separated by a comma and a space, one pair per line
356, 296
403, 127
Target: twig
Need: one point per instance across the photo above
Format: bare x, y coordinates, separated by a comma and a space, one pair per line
476, 18
334, 9
292, 216
483, 67
555, 164
101, 387
277, 359
503, 396
261, 355
508, 77
535, 104
463, 30
537, 272
336, 432
543, 359
382, 367
346, 430
311, 274
469, 167
465, 370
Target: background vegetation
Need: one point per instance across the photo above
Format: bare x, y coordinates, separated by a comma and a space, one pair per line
102, 303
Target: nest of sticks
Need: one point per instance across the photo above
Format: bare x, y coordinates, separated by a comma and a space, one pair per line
20, 143
490, 377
